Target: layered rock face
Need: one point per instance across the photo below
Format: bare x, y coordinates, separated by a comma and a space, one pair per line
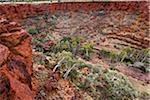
15, 62
22, 11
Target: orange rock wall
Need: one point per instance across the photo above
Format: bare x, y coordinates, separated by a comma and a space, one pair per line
20, 11
15, 62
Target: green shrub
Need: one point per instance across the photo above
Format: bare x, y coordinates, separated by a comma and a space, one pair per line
113, 56
70, 44
82, 65
87, 50
83, 86
73, 75
118, 87
127, 56
33, 31
144, 96
104, 53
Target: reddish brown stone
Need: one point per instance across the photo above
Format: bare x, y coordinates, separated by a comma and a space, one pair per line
47, 45
24, 49
4, 52
15, 62
4, 87
12, 39
22, 91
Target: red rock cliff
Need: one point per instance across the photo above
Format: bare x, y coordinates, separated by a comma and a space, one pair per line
15, 62
21, 11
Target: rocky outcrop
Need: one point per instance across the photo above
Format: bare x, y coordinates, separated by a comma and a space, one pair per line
15, 62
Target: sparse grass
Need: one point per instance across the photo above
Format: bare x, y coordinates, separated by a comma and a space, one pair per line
99, 83
74, 45
128, 56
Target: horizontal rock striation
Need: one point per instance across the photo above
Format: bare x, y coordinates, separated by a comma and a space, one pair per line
134, 40
15, 62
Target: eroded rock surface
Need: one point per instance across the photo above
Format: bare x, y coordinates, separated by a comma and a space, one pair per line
15, 62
